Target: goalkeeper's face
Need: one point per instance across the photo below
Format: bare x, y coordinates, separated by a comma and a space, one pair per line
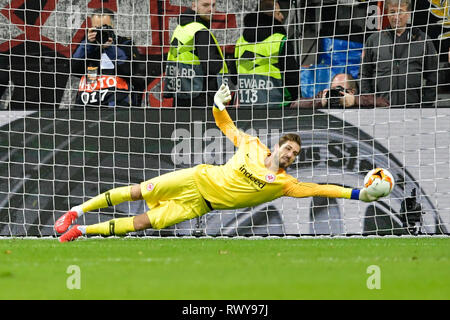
286, 153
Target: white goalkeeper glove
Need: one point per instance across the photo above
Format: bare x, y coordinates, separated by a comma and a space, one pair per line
222, 96
365, 196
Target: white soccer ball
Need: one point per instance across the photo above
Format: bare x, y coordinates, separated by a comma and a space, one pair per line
379, 182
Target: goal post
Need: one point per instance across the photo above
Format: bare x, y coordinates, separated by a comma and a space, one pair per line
55, 153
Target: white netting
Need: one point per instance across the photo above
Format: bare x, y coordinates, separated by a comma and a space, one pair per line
56, 152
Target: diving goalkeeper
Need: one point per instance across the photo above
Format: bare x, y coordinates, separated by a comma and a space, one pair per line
253, 175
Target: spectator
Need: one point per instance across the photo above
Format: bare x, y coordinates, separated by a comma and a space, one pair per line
268, 72
195, 62
104, 62
398, 59
343, 92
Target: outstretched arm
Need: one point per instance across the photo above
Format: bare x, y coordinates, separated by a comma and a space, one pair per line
223, 120
299, 189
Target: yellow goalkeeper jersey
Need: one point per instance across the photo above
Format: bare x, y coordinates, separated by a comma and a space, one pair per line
244, 181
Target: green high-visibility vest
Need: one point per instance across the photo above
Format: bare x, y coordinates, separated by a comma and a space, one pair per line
184, 74
259, 79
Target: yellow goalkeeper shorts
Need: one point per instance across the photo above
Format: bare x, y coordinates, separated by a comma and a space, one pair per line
172, 198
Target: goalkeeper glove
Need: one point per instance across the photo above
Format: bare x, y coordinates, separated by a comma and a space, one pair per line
222, 96
365, 196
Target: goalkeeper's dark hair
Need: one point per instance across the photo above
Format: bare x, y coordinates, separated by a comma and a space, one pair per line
290, 137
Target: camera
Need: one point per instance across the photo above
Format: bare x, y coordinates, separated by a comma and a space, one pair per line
334, 95
104, 33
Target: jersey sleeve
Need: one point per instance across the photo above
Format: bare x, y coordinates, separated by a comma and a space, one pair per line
297, 189
226, 125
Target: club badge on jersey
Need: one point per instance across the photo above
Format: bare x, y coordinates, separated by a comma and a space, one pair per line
97, 89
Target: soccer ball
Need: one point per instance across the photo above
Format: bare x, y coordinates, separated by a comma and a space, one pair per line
379, 182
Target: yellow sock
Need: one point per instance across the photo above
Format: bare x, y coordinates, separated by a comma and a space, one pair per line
120, 226
108, 199
99, 228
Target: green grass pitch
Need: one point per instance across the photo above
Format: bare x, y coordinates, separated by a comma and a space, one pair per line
226, 269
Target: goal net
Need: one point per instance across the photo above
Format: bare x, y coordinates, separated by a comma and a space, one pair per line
58, 150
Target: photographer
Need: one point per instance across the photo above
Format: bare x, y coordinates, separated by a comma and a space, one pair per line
343, 92
103, 61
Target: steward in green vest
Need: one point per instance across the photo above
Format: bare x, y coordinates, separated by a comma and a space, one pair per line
268, 74
195, 66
